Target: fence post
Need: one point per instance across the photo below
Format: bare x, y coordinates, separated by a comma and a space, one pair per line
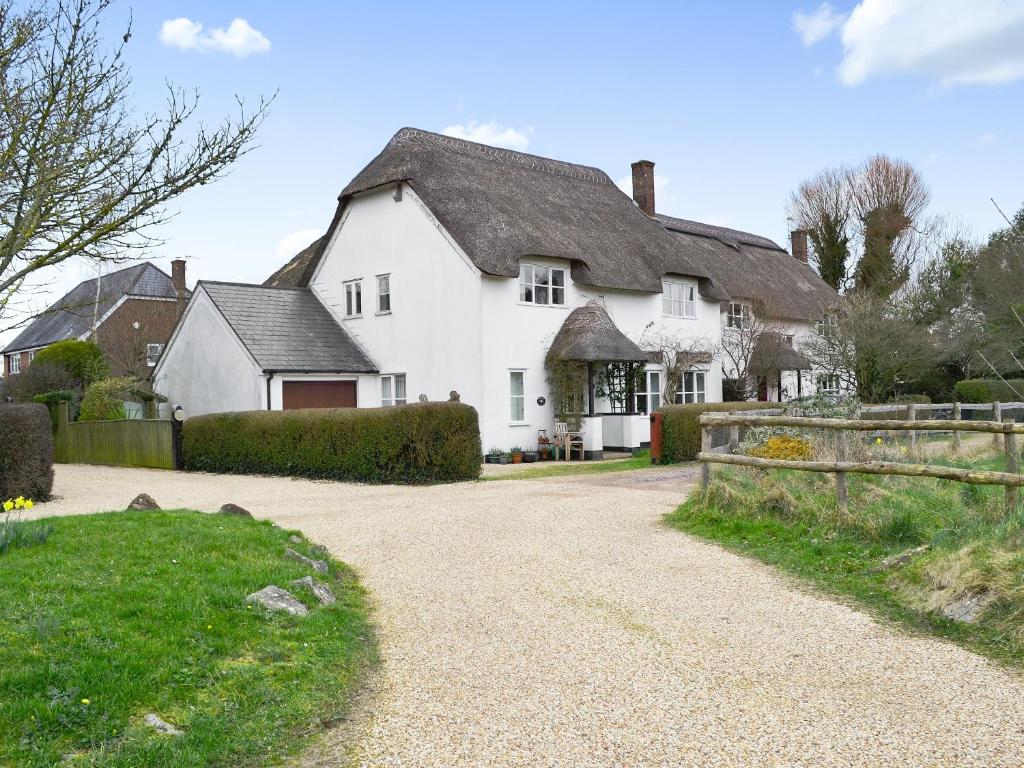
1011, 466
705, 466
734, 435
842, 492
997, 415
956, 432
912, 416
60, 447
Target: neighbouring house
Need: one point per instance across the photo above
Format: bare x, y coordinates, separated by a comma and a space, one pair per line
451, 265
129, 313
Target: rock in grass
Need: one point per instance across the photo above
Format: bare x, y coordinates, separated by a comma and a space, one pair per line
274, 598
901, 559
968, 608
235, 510
316, 565
161, 725
143, 502
318, 550
321, 591
293, 539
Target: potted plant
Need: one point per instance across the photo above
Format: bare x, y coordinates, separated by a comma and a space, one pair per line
517, 454
493, 455
529, 457
504, 458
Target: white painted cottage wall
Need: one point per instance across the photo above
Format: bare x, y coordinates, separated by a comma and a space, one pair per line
205, 368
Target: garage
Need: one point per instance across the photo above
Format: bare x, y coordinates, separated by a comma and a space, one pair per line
318, 394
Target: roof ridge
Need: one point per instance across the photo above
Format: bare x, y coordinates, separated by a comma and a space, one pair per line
500, 154
254, 285
737, 235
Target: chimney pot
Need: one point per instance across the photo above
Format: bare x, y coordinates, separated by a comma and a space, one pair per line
643, 185
798, 240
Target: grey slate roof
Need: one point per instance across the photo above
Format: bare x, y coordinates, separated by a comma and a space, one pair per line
287, 329
589, 335
291, 274
72, 315
753, 268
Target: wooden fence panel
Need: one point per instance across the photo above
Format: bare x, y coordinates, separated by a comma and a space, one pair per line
122, 443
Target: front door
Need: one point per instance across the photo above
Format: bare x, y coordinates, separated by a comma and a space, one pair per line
318, 394
762, 389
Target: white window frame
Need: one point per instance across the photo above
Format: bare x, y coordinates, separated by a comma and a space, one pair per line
650, 391
353, 298
15, 365
828, 384
31, 356
153, 358
827, 325
679, 299
385, 294
513, 398
695, 394
389, 390
738, 320
529, 287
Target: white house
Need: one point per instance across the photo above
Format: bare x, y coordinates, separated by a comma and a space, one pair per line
451, 265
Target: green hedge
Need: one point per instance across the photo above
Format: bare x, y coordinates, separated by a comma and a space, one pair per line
26, 452
989, 390
680, 427
417, 443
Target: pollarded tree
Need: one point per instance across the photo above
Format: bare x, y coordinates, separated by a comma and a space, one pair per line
80, 175
821, 207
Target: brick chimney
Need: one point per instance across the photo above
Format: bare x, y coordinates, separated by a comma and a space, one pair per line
178, 279
798, 240
643, 185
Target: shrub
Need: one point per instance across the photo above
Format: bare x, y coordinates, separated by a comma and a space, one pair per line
26, 451
104, 399
40, 378
52, 401
416, 443
785, 448
919, 399
680, 427
82, 359
989, 390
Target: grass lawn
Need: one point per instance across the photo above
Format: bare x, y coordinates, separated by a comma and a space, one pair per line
126, 613
641, 460
790, 520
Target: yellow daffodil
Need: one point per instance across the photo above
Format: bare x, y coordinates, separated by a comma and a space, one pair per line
8, 505
903, 450
878, 441
29, 504
85, 701
19, 502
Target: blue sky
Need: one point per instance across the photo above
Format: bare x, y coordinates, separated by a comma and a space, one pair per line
736, 103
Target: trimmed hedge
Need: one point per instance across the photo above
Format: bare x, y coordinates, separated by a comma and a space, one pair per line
680, 427
988, 390
26, 452
416, 443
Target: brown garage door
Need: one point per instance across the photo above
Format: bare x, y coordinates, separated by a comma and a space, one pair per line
319, 394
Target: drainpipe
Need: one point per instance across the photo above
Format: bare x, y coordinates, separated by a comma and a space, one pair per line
270, 375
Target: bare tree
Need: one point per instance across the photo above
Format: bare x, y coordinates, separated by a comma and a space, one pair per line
678, 352
751, 346
79, 174
821, 207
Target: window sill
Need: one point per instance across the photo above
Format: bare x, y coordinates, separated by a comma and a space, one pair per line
680, 317
353, 317
386, 312
542, 306
519, 423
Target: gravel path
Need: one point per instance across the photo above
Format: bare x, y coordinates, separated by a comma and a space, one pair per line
558, 623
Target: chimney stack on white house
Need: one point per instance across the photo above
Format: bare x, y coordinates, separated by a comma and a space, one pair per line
798, 240
643, 185
178, 280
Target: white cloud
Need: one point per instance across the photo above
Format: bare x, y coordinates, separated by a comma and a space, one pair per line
491, 133
816, 26
292, 243
239, 39
956, 42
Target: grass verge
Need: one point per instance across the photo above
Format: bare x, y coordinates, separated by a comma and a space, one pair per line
641, 460
122, 614
789, 520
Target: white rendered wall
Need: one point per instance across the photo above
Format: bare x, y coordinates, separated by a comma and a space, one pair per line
205, 368
432, 333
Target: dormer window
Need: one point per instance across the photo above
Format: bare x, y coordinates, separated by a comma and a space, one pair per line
678, 299
541, 285
737, 316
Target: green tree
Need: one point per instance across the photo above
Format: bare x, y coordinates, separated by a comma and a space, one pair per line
82, 359
821, 207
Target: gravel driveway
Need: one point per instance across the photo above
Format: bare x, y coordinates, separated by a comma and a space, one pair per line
556, 622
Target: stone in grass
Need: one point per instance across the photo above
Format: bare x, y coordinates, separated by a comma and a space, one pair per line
273, 598
235, 510
901, 559
316, 565
968, 608
143, 502
161, 725
293, 539
318, 550
321, 591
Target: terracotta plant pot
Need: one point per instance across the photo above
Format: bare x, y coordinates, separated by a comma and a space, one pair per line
517, 458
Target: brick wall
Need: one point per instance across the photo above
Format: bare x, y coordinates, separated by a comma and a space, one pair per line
124, 345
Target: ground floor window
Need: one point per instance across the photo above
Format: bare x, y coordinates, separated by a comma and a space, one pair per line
392, 389
693, 390
828, 384
15, 363
649, 400
517, 396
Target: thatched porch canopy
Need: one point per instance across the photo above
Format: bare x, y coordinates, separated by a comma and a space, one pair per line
772, 352
588, 335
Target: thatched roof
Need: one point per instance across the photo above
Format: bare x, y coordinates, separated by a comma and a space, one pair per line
754, 269
774, 353
291, 274
588, 335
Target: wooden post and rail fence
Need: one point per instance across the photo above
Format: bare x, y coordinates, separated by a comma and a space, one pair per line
1011, 480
